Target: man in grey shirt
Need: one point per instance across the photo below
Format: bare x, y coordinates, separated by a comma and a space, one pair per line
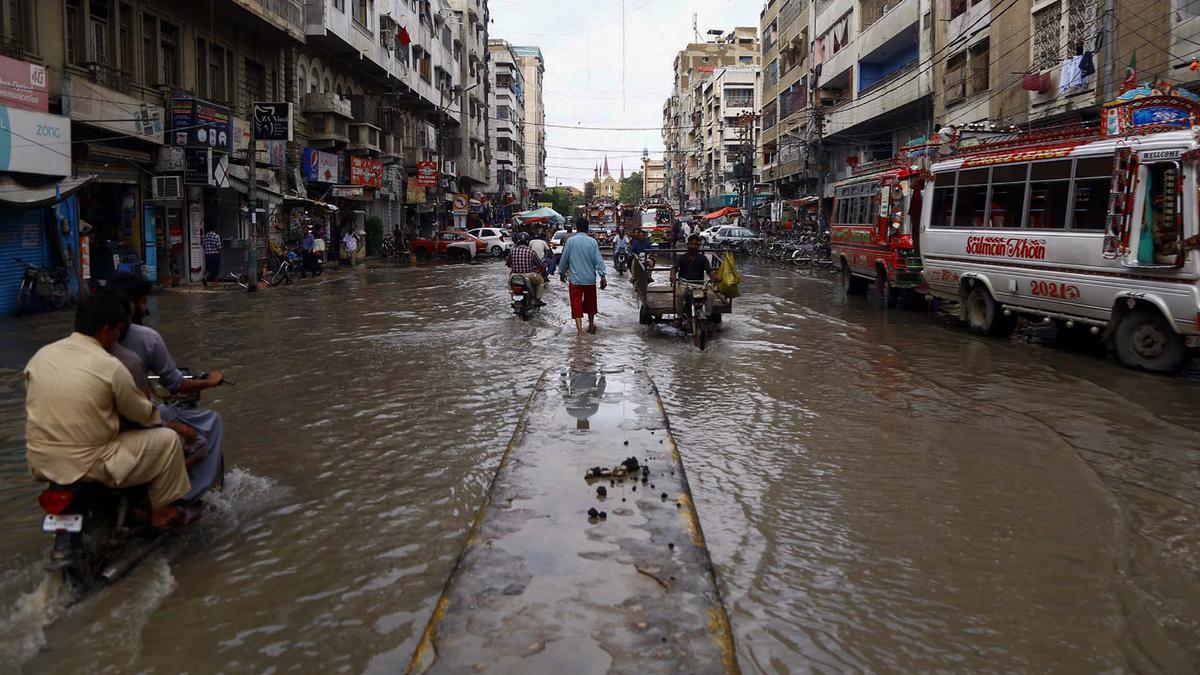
149, 347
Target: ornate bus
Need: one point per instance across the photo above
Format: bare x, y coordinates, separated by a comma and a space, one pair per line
1094, 229
871, 229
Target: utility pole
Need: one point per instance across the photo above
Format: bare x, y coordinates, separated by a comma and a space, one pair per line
1110, 49
252, 249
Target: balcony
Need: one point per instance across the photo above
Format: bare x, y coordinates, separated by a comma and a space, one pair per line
327, 102
328, 131
364, 138
286, 15
894, 17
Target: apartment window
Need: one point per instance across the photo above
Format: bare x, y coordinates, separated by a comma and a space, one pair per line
959, 7
1046, 37
967, 73
739, 98
75, 41
99, 25
18, 23
125, 38
168, 53
340, 5
256, 83
215, 70
362, 11
149, 49
1083, 23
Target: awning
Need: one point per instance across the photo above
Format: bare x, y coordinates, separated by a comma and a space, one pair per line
14, 194
728, 211
294, 200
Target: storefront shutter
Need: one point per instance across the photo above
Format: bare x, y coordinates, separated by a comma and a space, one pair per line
20, 237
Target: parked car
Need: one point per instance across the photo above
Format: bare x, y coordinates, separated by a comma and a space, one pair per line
453, 243
498, 241
557, 241
728, 235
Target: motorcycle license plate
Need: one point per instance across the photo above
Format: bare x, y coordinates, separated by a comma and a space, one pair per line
518, 298
71, 522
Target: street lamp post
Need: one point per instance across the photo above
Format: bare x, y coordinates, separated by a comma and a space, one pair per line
441, 140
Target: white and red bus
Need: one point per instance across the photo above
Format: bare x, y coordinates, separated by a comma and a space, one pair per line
1095, 229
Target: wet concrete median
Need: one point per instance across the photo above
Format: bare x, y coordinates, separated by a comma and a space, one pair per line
587, 555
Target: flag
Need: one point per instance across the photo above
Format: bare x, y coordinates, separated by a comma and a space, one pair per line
403, 37
1130, 81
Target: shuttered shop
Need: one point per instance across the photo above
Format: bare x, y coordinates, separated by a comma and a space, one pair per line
20, 237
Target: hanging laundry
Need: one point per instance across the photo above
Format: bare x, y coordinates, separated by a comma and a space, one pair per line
1086, 65
1071, 77
1036, 82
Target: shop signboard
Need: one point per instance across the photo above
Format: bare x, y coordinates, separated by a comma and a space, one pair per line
271, 121
366, 171
197, 166
34, 142
113, 111
23, 85
200, 124
414, 193
347, 191
320, 167
427, 174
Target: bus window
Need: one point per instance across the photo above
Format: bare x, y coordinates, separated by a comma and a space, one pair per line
1093, 182
1159, 243
943, 200
1008, 195
1049, 187
972, 198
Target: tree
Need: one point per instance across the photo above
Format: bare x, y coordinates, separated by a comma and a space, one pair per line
563, 200
589, 192
631, 188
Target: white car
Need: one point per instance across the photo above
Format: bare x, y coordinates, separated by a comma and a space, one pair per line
498, 241
728, 234
557, 241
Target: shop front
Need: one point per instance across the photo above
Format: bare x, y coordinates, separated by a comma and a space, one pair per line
38, 209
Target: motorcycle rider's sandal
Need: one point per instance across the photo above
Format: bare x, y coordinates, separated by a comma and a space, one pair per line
173, 517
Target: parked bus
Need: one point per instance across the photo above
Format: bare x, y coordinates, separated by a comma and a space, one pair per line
1093, 229
872, 233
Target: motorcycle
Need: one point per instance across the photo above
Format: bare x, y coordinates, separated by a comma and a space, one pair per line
101, 532
621, 262
524, 301
41, 287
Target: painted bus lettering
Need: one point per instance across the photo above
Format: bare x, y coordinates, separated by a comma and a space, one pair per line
1054, 289
1007, 247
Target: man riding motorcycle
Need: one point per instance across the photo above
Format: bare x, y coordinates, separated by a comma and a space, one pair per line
522, 260
76, 393
620, 247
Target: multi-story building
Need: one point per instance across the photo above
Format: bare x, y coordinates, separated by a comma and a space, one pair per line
729, 130
469, 142
507, 129
533, 68
783, 93
654, 172
689, 169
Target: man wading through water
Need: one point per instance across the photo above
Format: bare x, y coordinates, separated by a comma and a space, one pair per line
581, 259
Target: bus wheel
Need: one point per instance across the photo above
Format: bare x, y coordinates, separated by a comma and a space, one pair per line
985, 316
889, 293
852, 284
1145, 340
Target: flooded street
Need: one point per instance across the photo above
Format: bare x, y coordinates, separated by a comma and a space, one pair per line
879, 489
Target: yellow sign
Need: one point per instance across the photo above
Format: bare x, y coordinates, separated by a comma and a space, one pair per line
460, 204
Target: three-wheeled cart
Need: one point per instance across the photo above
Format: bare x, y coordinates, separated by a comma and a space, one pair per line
695, 309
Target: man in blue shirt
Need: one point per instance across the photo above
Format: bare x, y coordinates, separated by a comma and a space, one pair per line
581, 260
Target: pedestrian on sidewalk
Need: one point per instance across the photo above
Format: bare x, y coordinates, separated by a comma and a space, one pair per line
211, 243
581, 259
308, 255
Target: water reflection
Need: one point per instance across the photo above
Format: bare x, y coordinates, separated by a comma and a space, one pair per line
582, 393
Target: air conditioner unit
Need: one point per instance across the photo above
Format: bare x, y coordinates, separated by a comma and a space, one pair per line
167, 187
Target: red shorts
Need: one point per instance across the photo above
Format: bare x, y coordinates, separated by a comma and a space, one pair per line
583, 300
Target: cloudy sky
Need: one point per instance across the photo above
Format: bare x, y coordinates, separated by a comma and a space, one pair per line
584, 87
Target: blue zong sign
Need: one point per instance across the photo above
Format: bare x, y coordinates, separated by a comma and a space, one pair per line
1160, 115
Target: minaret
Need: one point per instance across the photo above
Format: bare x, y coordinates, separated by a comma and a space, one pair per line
622, 170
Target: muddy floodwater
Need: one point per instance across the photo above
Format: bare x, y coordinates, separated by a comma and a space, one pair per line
879, 490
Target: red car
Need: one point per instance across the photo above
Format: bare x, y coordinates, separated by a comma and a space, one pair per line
454, 243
